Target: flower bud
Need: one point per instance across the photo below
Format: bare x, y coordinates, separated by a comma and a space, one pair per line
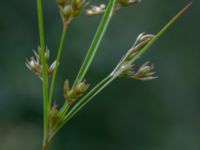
77, 6
75, 92
82, 87
67, 12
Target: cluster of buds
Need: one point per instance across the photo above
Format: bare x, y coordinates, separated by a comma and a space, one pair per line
96, 10
141, 41
34, 64
70, 8
125, 68
144, 73
75, 92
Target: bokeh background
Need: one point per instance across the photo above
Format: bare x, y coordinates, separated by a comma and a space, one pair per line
163, 114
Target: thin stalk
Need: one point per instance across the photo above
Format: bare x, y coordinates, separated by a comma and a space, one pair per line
82, 102
44, 67
57, 63
96, 42
158, 35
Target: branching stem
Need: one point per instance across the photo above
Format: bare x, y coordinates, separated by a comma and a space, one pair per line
82, 102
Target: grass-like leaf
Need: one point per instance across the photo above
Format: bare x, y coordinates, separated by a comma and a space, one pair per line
96, 41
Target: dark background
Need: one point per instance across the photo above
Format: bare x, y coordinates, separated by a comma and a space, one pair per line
162, 114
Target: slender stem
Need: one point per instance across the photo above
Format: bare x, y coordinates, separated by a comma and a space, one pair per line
158, 35
57, 63
82, 102
96, 41
44, 67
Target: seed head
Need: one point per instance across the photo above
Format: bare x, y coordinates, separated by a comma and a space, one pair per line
35, 63
125, 68
74, 93
70, 9
145, 72
141, 41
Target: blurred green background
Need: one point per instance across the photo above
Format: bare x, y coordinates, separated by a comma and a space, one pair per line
162, 114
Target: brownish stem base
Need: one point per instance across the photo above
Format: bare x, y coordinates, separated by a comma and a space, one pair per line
45, 143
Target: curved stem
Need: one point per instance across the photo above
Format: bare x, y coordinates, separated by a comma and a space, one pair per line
96, 41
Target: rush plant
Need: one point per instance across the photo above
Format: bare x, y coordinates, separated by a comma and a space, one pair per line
79, 93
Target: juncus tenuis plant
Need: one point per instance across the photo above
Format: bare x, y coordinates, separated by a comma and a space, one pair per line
78, 94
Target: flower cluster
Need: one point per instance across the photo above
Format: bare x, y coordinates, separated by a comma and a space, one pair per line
141, 41
34, 64
70, 8
96, 10
75, 92
125, 68
144, 73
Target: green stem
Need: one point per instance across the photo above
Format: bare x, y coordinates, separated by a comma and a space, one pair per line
57, 63
44, 67
96, 41
158, 35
